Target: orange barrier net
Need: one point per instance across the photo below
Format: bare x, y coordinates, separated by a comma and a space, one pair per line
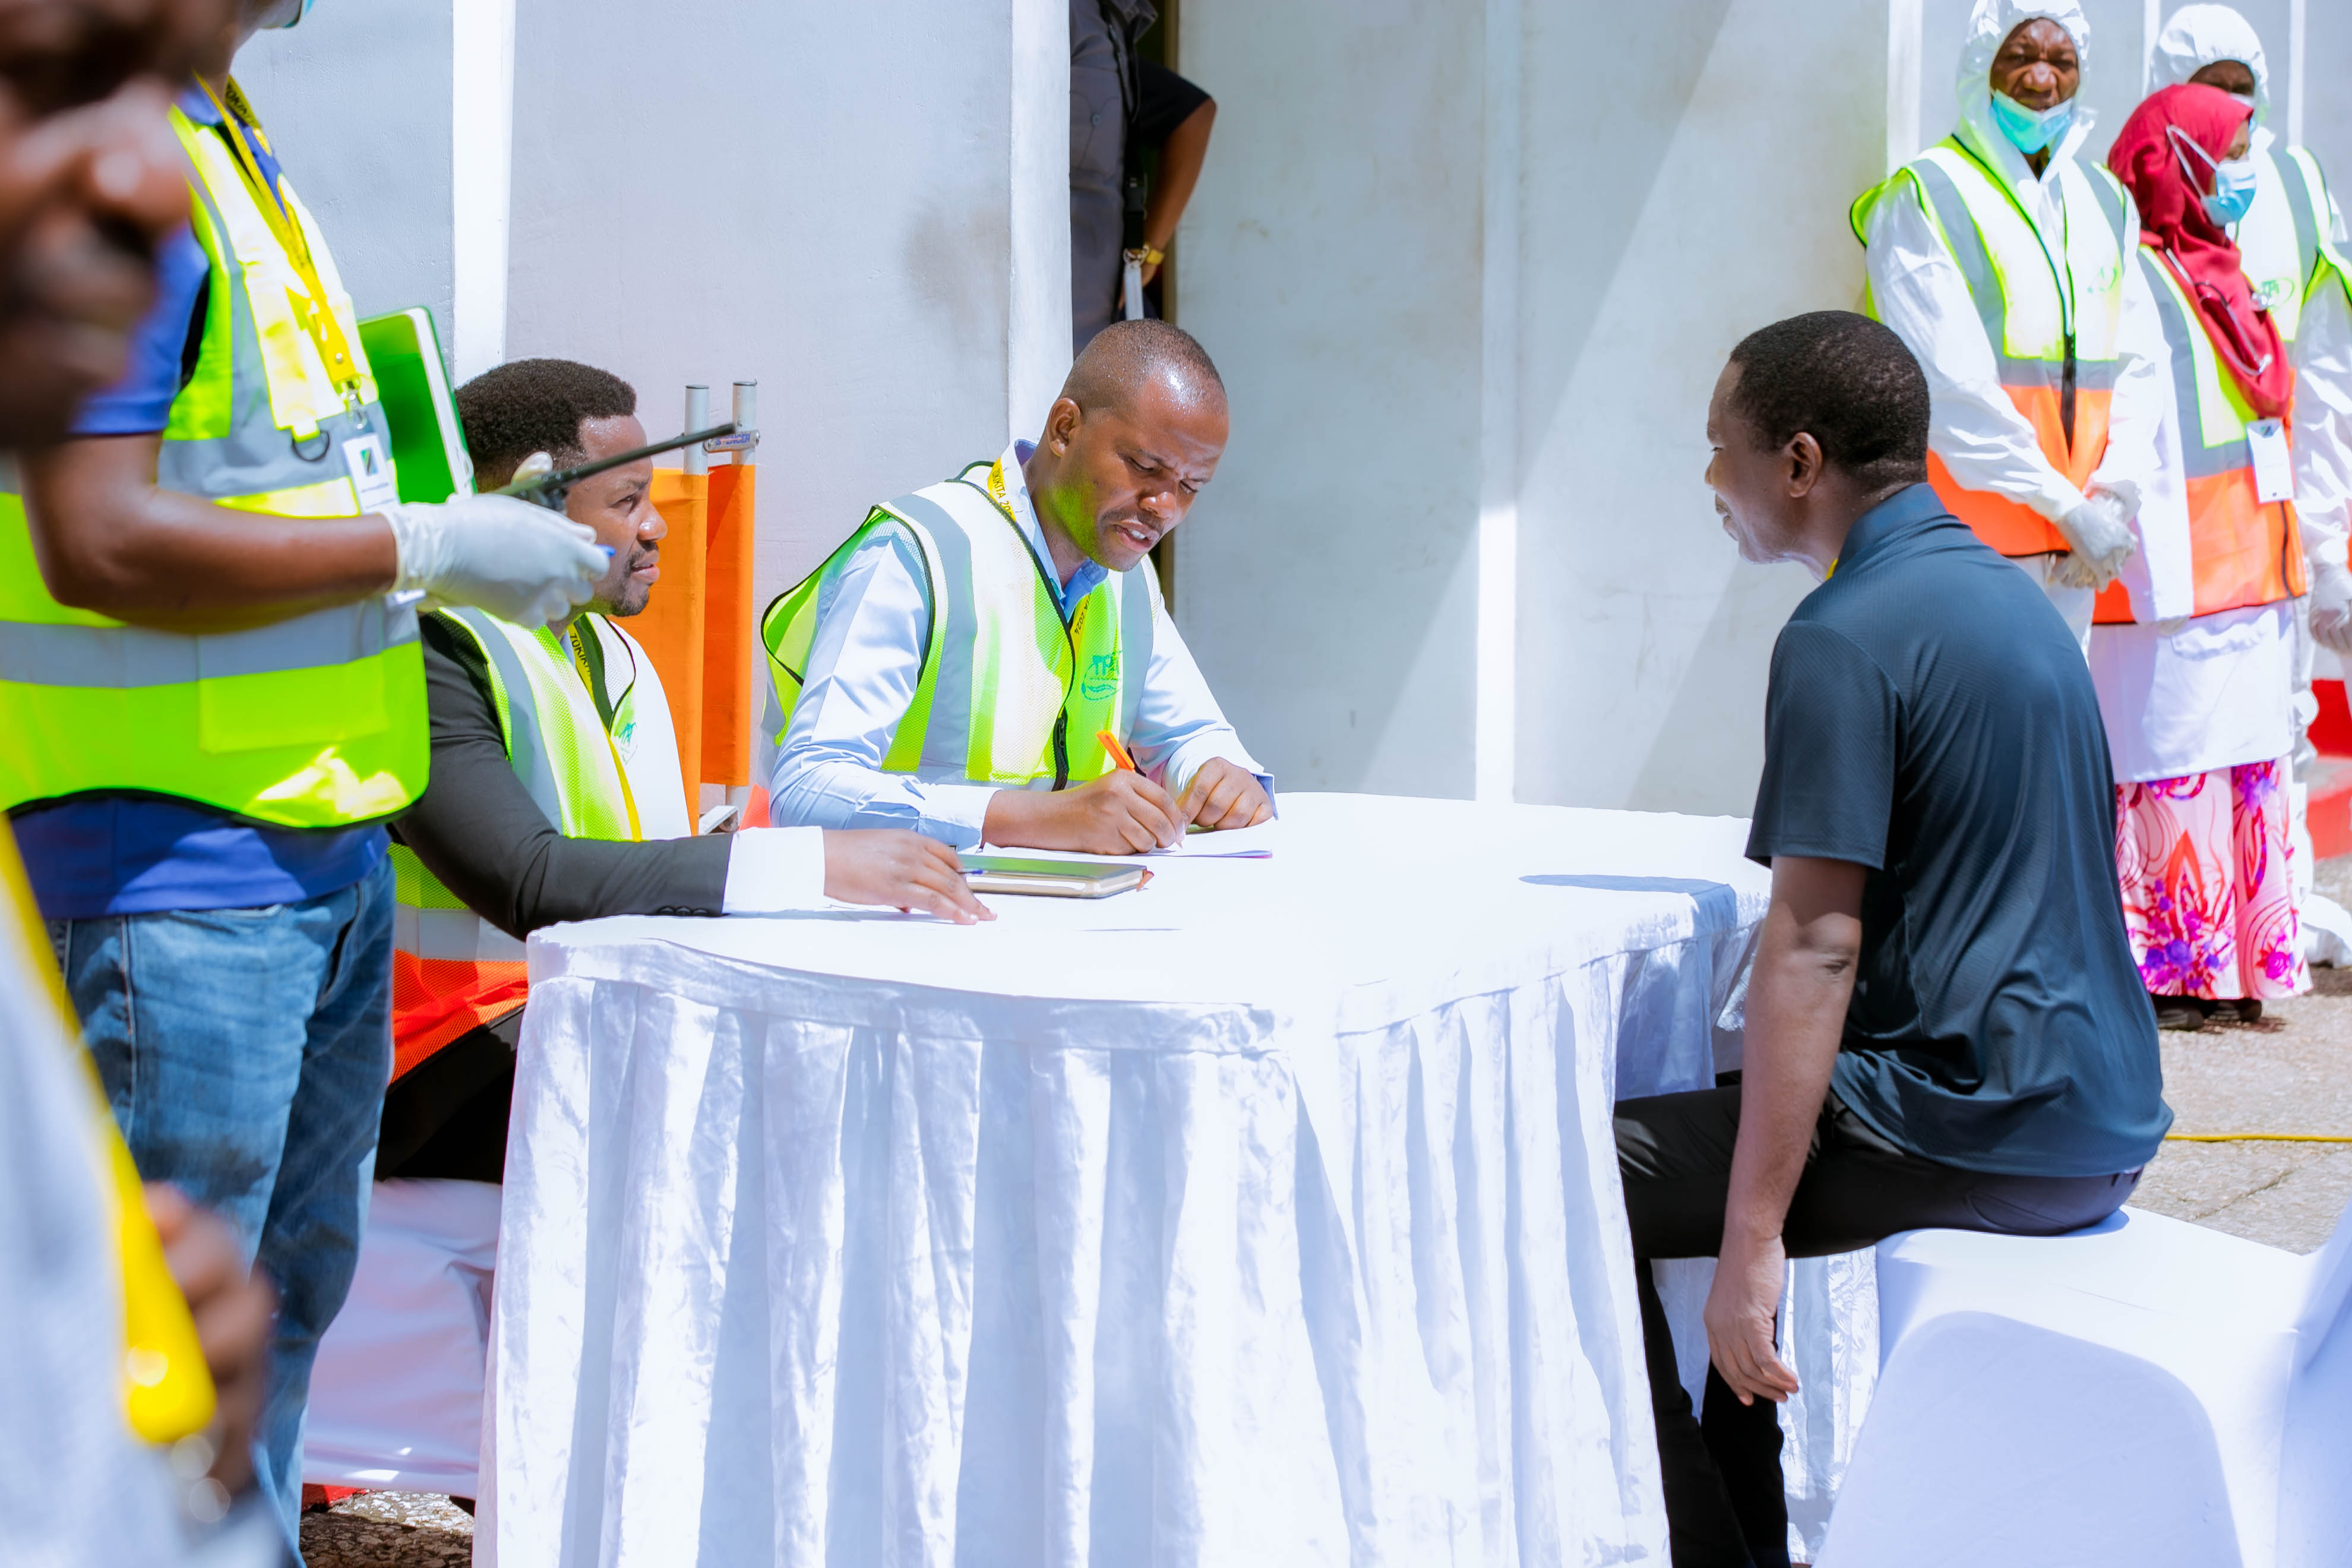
697, 627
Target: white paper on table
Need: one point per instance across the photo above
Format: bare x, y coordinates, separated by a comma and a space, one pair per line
1223, 843
1226, 843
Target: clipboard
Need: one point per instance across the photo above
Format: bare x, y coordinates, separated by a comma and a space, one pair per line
428, 441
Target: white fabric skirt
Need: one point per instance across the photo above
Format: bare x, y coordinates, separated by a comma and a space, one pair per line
2218, 692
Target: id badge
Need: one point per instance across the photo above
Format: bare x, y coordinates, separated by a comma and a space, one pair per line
370, 466
2274, 468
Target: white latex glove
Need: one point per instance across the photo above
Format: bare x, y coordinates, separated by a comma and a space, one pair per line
522, 563
2331, 605
2099, 532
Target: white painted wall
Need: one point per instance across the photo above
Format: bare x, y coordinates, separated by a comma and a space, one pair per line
816, 195
357, 102
1331, 266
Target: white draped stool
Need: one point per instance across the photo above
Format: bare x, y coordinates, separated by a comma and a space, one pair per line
2146, 1392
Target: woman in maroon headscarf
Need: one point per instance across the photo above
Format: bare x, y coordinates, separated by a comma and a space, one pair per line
2198, 705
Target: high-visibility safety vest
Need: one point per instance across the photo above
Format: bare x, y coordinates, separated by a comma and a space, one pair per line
2283, 241
451, 969
2242, 551
2044, 314
1010, 693
314, 722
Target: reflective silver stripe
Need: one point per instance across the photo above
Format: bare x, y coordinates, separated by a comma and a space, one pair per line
2111, 201
526, 747
2198, 461
458, 936
1134, 642
126, 657
948, 742
1960, 232
2298, 205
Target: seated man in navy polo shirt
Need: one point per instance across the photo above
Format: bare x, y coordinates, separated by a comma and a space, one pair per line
1945, 1028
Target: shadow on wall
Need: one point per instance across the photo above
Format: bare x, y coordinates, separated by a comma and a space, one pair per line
1706, 196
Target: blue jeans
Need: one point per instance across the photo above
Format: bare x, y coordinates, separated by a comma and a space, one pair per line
245, 1054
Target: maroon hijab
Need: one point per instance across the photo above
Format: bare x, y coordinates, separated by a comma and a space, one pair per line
2173, 223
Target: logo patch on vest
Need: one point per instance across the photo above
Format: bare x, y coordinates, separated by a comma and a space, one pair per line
1102, 679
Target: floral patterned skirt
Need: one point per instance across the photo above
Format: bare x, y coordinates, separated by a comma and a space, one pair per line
2208, 885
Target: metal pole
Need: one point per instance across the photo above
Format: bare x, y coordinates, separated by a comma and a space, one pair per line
747, 418
746, 423
697, 417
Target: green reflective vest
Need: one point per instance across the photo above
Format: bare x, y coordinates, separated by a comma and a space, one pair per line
2052, 318
1010, 693
316, 721
452, 969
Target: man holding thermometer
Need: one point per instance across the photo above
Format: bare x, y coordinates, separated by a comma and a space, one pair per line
988, 660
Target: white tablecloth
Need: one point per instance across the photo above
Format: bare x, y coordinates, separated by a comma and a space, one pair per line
1268, 1214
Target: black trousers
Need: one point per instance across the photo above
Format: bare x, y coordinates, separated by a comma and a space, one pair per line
446, 1117
1725, 1507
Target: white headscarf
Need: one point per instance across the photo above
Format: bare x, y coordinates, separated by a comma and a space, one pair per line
2196, 37
1989, 25
1991, 22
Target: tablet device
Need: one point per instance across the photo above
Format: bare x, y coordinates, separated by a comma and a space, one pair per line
1049, 878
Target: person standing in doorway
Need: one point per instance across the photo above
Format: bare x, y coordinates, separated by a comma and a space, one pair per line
2198, 708
1121, 105
2001, 257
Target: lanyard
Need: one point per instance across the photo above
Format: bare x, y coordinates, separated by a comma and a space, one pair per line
314, 311
588, 679
1000, 494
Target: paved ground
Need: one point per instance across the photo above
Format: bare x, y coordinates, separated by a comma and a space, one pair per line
2291, 1072
389, 1529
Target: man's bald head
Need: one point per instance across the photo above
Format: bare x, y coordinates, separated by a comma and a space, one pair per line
1136, 433
1127, 356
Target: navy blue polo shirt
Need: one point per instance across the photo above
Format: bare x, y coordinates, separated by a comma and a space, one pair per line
1930, 717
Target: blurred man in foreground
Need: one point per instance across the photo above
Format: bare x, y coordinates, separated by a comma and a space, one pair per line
954, 667
214, 697
1945, 1026
90, 182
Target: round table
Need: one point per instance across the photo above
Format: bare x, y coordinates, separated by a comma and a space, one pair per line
1268, 1214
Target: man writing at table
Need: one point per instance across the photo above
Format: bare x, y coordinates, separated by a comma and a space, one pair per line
555, 792
956, 666
1945, 1026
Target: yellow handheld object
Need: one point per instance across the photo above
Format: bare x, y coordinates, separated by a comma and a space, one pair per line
168, 1392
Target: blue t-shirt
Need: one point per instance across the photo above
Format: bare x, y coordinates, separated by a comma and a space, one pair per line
1930, 717
120, 855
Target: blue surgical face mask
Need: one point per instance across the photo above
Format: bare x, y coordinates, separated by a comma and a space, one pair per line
2233, 191
2233, 178
2030, 129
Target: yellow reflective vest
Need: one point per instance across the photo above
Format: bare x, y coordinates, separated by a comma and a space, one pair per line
2051, 319
316, 721
451, 969
1010, 692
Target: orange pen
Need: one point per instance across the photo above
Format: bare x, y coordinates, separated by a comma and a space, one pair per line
1118, 752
